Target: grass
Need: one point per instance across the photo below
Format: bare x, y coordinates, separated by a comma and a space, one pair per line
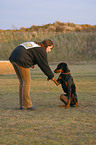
72, 46
49, 124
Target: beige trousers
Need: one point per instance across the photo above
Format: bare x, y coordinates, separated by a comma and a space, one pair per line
23, 75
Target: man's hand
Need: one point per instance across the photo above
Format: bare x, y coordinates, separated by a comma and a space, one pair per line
32, 66
48, 79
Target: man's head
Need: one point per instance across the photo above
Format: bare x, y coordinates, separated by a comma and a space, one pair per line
48, 45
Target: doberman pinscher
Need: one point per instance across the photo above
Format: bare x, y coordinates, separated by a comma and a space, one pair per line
68, 85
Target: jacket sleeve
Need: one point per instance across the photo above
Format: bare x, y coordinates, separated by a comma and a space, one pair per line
41, 60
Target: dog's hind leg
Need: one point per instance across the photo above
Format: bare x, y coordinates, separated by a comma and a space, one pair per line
64, 99
62, 105
68, 104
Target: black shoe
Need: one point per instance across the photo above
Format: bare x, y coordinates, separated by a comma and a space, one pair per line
21, 108
31, 108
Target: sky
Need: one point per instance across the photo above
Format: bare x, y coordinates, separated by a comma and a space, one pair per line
18, 13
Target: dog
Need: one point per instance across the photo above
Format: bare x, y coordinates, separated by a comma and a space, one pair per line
68, 85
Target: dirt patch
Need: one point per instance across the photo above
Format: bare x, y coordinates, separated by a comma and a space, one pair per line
6, 68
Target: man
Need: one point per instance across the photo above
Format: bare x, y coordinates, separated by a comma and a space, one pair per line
23, 57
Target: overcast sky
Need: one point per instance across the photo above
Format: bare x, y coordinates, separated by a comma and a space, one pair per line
18, 13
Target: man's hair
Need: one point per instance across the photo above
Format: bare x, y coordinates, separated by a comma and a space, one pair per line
45, 43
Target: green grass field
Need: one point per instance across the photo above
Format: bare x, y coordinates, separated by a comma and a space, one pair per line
49, 124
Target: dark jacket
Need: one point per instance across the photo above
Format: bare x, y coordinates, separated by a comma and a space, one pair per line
27, 57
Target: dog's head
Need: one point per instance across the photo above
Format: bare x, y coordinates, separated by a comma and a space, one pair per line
62, 67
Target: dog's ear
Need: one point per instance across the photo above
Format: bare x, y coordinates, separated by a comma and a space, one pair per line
67, 69
64, 67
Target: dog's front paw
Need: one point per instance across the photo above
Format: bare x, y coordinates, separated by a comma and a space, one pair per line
67, 106
76, 105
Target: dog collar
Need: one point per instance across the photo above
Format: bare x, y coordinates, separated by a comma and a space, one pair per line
66, 73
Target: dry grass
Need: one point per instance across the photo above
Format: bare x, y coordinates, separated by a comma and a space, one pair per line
6, 68
72, 47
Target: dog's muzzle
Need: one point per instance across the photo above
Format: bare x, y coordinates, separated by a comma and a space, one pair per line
56, 71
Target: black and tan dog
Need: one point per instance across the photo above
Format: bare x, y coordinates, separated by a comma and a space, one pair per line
66, 80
